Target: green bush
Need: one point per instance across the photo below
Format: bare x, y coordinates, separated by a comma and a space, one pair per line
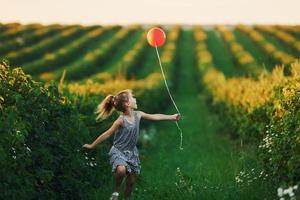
280, 147
41, 137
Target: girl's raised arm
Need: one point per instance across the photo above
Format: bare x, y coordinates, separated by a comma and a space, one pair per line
105, 135
157, 117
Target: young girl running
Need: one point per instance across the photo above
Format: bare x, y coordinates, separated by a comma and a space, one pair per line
124, 155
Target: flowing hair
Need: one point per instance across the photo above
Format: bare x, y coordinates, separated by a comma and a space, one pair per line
110, 102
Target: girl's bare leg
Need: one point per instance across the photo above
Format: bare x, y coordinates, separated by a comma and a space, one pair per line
129, 184
119, 175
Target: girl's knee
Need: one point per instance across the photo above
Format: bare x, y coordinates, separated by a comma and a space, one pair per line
121, 170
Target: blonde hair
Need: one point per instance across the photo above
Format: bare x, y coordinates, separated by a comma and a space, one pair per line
110, 102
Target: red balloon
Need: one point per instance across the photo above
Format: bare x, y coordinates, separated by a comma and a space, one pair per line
156, 37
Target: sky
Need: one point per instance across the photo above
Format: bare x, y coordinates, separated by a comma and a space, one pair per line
89, 12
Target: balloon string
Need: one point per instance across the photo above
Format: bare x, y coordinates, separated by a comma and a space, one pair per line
161, 68
165, 79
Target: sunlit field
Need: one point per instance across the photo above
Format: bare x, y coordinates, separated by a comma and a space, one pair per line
237, 87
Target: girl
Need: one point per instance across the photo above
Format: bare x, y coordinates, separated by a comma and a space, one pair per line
124, 156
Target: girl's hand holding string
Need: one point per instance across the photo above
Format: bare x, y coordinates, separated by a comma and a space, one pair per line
176, 117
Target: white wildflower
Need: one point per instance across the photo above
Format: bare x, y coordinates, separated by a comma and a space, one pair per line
280, 192
295, 187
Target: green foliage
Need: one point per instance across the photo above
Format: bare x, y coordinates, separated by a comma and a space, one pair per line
41, 141
280, 147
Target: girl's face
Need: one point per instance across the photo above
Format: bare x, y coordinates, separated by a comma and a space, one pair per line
132, 102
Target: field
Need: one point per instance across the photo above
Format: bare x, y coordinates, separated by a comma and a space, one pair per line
237, 87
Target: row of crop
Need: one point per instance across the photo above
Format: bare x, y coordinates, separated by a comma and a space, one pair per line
278, 55
294, 30
7, 26
168, 54
33, 52
15, 31
242, 57
204, 58
3, 28
67, 53
128, 62
286, 38
93, 59
113, 85
29, 39
127, 65
12, 27
142, 50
